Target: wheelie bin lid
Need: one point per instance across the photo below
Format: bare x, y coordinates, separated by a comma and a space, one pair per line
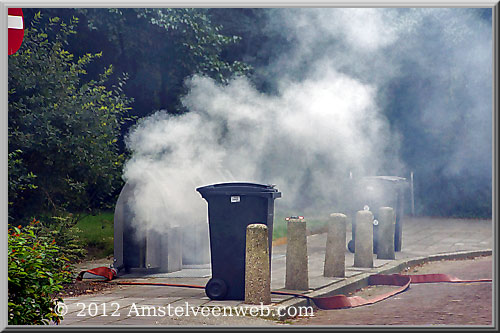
240, 188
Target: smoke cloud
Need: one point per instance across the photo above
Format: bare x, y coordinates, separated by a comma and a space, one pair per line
432, 68
355, 90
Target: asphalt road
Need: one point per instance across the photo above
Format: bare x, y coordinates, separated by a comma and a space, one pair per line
432, 304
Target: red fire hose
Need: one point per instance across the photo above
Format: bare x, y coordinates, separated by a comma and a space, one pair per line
324, 303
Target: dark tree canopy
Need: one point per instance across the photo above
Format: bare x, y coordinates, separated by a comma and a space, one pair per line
158, 48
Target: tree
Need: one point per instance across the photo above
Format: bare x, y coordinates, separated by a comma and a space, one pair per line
260, 41
158, 48
63, 127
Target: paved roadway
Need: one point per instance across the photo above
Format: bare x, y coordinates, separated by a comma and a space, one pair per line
448, 304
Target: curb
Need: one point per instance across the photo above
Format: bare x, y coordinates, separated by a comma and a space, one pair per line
356, 282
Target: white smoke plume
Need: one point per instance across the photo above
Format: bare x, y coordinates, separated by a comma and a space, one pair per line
325, 120
305, 140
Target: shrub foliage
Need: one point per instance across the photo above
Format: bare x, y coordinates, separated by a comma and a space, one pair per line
37, 270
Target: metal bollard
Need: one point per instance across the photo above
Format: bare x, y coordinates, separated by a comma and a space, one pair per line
363, 247
257, 273
386, 229
297, 271
335, 246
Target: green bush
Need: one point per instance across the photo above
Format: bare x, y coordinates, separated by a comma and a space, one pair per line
67, 235
37, 270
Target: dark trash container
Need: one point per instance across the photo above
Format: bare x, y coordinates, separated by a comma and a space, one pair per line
231, 208
374, 192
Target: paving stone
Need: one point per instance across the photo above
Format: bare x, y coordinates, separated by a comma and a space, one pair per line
224, 303
191, 301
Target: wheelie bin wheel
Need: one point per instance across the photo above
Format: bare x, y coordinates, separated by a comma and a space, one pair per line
216, 289
350, 246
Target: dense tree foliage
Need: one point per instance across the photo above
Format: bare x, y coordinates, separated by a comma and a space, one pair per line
157, 47
38, 267
63, 126
259, 44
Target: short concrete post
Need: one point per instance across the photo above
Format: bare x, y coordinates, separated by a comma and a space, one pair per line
363, 245
297, 271
257, 274
335, 246
386, 229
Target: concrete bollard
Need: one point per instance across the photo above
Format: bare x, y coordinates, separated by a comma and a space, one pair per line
363, 246
257, 274
386, 229
296, 277
335, 246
